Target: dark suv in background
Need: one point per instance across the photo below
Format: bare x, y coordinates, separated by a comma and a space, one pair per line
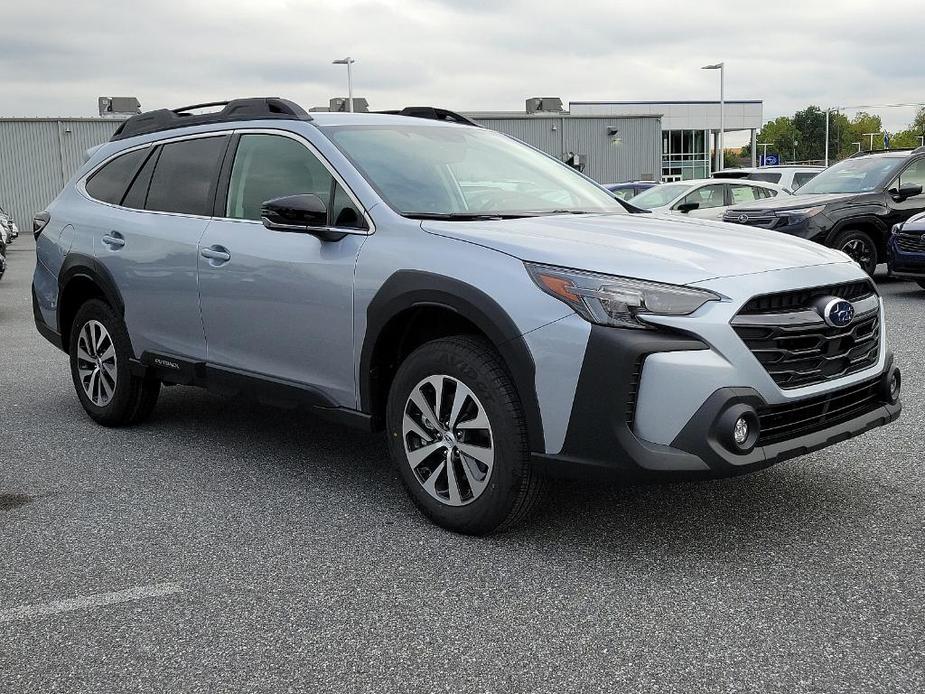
851, 206
907, 250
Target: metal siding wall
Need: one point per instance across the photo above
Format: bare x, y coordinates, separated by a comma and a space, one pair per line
639, 152
37, 157
537, 132
636, 154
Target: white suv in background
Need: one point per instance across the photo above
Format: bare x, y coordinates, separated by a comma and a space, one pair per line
704, 198
787, 177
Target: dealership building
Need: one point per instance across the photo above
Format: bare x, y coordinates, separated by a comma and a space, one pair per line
615, 141
610, 141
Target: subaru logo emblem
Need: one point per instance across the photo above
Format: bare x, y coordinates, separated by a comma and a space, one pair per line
743, 218
838, 313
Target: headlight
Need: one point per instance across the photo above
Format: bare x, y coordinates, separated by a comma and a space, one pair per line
803, 212
617, 301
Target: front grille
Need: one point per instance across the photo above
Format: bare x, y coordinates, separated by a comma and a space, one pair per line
803, 298
910, 243
795, 345
765, 219
790, 420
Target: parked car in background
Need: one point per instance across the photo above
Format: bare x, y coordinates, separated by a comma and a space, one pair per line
790, 178
906, 250
2, 264
851, 206
704, 198
625, 191
343, 261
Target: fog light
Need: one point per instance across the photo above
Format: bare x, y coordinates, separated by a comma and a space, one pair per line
895, 385
741, 431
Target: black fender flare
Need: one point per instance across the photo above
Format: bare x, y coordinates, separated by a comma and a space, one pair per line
77, 265
852, 221
407, 289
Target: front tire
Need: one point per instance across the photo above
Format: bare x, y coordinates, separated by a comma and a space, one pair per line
458, 436
100, 351
861, 247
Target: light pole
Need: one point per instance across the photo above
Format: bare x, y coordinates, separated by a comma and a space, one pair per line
858, 144
828, 111
722, 110
348, 61
871, 136
921, 140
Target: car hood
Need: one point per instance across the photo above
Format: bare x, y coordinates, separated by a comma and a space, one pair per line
656, 247
797, 201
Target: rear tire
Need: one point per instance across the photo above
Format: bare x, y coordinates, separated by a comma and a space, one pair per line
861, 247
100, 352
472, 475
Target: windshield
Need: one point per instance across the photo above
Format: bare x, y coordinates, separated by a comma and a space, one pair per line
658, 196
852, 176
464, 172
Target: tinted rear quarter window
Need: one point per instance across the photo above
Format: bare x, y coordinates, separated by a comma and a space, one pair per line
801, 178
108, 184
186, 175
766, 177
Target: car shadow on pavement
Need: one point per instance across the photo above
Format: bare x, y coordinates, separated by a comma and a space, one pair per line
775, 507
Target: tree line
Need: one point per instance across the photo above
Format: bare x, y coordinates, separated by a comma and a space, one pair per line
801, 137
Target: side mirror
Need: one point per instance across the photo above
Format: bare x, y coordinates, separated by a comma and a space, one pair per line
906, 190
686, 207
305, 213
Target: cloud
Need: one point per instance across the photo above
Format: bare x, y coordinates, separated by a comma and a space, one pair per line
473, 55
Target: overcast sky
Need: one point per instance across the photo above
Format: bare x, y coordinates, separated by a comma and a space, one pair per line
57, 57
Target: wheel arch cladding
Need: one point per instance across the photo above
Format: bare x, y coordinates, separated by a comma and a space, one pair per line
391, 315
82, 278
870, 224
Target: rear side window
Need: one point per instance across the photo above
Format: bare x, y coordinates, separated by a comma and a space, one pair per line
766, 177
108, 184
185, 176
138, 191
801, 178
742, 193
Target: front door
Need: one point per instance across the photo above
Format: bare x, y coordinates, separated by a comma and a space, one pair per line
280, 304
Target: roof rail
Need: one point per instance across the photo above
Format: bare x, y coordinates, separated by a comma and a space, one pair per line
271, 107
433, 113
881, 151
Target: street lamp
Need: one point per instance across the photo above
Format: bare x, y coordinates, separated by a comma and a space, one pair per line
921, 140
348, 61
858, 144
871, 136
722, 108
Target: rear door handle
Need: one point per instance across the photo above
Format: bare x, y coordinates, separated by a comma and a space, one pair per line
114, 240
218, 255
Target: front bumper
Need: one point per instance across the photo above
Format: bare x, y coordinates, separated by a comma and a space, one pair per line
904, 263
601, 440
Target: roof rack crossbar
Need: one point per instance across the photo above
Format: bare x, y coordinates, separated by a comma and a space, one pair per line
881, 151
234, 110
432, 113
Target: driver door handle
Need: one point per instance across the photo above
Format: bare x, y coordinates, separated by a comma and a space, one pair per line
217, 254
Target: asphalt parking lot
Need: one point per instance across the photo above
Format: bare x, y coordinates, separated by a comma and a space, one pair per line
225, 546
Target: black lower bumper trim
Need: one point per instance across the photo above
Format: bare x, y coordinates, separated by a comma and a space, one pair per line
44, 330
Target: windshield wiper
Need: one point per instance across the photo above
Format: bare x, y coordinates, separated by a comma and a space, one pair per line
464, 216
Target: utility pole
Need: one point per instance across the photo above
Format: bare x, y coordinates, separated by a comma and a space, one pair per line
348, 61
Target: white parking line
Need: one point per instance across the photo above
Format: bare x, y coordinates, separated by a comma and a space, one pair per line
88, 601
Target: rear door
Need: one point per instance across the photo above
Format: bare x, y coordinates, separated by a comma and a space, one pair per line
274, 303
711, 201
149, 243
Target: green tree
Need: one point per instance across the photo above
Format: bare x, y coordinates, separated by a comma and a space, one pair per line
863, 123
780, 134
810, 126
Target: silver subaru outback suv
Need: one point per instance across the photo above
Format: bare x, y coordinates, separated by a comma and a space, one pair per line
501, 317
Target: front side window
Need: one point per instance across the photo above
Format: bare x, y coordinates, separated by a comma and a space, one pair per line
457, 171
914, 175
108, 184
185, 176
706, 197
273, 166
